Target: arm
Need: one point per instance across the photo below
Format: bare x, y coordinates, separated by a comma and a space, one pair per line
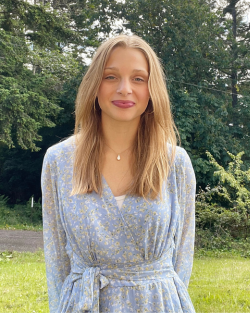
56, 258
185, 232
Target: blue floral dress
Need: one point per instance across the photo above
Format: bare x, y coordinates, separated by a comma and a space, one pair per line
103, 259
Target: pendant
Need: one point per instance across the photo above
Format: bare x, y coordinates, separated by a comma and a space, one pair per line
118, 157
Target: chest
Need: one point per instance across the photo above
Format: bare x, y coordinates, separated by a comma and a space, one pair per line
99, 230
139, 230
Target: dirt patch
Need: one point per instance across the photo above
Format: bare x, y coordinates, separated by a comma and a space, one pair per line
20, 240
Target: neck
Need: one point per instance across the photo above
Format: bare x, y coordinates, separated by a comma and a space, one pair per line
119, 135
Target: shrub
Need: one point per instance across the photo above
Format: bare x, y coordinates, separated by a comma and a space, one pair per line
222, 212
20, 214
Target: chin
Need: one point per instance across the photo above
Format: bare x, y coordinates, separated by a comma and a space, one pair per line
127, 118
121, 117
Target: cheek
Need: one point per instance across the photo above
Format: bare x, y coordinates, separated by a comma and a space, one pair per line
104, 92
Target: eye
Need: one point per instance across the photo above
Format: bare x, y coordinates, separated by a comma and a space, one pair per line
138, 79
110, 77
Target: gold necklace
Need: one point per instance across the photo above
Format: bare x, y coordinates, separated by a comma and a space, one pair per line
118, 158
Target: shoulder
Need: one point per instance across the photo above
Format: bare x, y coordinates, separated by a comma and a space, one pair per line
64, 150
181, 157
183, 167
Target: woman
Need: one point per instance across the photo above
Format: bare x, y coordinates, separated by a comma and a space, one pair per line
118, 196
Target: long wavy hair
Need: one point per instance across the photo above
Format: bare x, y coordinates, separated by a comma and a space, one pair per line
154, 146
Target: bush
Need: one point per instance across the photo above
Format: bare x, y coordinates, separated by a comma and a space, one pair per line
20, 214
222, 212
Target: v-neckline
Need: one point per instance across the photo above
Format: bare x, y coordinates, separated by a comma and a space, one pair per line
111, 195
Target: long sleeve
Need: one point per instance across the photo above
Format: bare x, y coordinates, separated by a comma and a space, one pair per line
56, 258
185, 233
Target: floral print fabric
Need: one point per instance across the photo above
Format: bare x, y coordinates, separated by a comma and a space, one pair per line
100, 258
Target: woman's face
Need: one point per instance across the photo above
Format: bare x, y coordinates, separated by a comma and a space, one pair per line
123, 94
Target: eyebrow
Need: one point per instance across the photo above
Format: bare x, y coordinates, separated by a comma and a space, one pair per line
116, 69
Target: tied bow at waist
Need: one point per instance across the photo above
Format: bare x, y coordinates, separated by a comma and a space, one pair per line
94, 278
92, 282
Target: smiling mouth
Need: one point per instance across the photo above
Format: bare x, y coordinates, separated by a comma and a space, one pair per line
124, 104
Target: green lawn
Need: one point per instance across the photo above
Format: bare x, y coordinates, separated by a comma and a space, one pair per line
219, 284
23, 283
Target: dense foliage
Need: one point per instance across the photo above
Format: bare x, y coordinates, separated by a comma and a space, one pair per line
205, 51
32, 71
223, 211
20, 216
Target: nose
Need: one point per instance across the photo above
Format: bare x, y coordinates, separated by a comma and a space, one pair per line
124, 87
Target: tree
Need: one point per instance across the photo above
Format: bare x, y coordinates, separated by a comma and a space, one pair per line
29, 96
235, 67
20, 170
189, 38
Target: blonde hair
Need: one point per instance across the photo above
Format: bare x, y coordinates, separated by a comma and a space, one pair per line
155, 132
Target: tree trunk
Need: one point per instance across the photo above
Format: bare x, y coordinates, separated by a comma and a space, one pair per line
231, 9
234, 48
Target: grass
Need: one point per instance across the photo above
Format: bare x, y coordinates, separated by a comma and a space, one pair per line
20, 226
23, 283
220, 283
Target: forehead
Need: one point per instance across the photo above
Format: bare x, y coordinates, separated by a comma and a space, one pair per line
123, 57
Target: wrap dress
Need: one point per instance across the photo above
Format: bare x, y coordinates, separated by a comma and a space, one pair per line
100, 258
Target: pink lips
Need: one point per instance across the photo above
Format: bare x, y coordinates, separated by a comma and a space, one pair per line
124, 104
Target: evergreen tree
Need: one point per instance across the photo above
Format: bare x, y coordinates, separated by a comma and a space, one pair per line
32, 70
235, 68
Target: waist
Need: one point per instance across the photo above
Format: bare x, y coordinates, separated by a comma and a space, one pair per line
128, 278
122, 274
95, 276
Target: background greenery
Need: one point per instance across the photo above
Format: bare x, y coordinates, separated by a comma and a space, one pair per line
204, 47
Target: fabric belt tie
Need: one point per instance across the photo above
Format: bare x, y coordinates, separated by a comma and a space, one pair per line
92, 282
94, 278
